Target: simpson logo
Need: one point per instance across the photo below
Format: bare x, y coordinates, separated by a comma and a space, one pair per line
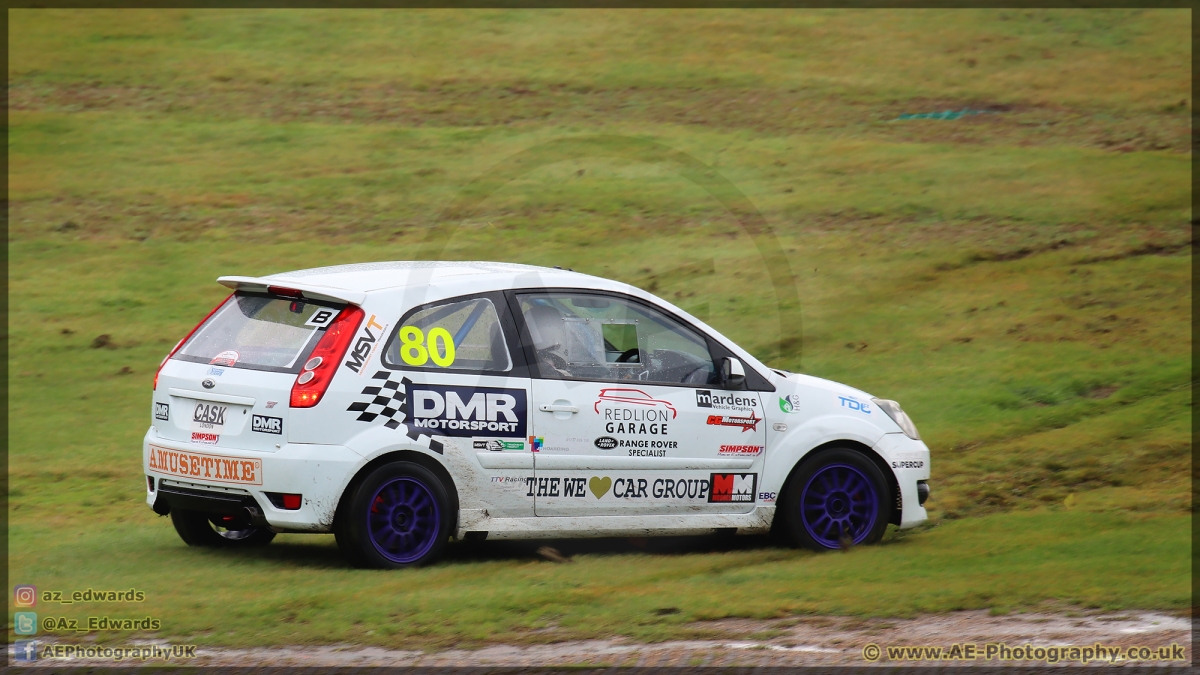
205, 438
208, 467
162, 411
733, 487
465, 411
706, 399
746, 423
740, 450
365, 345
267, 425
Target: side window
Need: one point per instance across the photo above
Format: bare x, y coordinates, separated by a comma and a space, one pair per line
459, 335
580, 336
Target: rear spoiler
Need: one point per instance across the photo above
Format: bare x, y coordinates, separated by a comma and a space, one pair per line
327, 293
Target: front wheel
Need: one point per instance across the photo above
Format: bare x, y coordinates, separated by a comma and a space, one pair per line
399, 516
836, 500
202, 529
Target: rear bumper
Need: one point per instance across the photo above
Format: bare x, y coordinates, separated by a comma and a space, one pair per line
318, 472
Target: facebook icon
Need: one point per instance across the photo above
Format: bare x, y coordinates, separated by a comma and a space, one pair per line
25, 650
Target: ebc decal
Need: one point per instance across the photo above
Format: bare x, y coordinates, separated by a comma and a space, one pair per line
364, 345
466, 411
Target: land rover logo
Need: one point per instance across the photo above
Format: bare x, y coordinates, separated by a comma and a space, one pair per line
208, 384
606, 442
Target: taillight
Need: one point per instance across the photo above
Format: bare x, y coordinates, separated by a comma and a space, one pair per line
318, 371
284, 292
186, 338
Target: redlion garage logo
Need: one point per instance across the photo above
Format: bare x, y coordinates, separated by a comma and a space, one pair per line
440, 410
732, 487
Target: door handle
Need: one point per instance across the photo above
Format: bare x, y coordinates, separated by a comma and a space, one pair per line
556, 407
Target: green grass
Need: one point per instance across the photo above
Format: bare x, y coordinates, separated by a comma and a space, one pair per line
1019, 280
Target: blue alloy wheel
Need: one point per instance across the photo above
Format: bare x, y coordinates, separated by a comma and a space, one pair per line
838, 501
403, 520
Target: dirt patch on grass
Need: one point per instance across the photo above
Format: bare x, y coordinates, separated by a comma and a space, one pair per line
793, 641
771, 111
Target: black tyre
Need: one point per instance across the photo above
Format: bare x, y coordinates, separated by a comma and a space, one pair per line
398, 516
203, 529
837, 499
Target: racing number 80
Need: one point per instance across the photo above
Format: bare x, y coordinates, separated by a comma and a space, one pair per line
416, 350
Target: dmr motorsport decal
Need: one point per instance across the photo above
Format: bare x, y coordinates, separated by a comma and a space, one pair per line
162, 411
364, 345
721, 401
733, 487
267, 425
386, 398
746, 423
466, 411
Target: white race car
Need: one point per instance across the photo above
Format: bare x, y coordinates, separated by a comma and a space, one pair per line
401, 404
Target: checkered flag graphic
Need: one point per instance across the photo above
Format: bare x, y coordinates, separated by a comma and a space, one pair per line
387, 398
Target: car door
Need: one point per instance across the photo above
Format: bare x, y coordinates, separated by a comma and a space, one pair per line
465, 388
628, 418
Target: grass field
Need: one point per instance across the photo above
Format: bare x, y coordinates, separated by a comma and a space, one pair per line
1019, 279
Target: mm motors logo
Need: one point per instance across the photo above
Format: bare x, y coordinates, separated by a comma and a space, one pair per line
732, 488
440, 410
267, 425
722, 401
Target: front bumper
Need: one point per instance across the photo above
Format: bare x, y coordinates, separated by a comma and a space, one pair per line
318, 472
909, 462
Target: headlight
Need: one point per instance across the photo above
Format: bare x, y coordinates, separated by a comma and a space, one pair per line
902, 420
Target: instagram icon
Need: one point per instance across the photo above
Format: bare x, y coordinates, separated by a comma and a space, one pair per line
25, 596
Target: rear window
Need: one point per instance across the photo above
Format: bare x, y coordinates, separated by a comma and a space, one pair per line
259, 332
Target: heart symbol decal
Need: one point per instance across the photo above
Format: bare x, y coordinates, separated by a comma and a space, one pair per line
599, 486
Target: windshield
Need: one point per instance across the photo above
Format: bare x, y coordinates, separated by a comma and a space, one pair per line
259, 332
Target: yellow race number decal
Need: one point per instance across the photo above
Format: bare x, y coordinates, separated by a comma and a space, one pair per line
445, 355
415, 350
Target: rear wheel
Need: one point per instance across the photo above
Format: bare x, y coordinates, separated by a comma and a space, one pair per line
399, 516
203, 529
836, 500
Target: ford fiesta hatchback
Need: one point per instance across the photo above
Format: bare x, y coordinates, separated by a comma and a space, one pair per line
400, 404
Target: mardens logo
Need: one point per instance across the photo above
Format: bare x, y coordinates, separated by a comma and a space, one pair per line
719, 401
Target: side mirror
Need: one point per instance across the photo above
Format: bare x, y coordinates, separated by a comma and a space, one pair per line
733, 375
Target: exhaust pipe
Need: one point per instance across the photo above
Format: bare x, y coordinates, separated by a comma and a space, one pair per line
254, 516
